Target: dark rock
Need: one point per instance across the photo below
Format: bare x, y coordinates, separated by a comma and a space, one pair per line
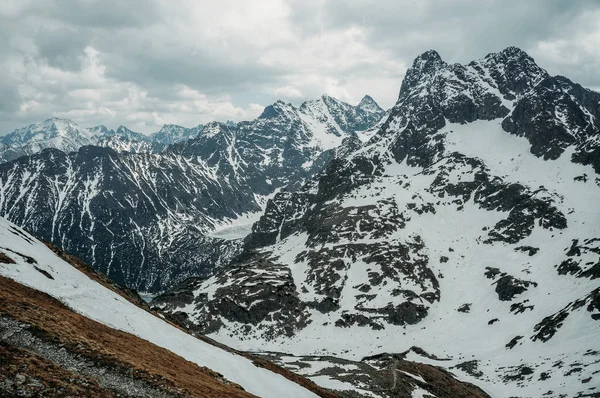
529, 249
466, 308
513, 342
508, 287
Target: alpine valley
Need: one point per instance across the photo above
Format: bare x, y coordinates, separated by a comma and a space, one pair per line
447, 247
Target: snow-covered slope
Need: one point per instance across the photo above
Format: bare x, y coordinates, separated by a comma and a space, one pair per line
38, 267
145, 219
467, 226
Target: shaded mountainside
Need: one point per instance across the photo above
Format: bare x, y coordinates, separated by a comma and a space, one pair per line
135, 217
144, 218
473, 210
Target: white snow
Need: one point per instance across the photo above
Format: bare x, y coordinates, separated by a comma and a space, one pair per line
418, 392
416, 377
236, 228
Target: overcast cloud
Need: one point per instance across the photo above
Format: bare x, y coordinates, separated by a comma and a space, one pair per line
146, 63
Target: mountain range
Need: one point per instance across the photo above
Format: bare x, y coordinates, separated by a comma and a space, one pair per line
463, 234
145, 218
68, 136
66, 330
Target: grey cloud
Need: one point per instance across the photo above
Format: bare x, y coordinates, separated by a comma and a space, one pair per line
459, 30
148, 52
9, 98
106, 14
63, 47
150, 63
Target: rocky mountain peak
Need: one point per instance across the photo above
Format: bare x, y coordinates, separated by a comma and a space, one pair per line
514, 70
130, 135
427, 60
513, 52
424, 65
101, 130
213, 130
328, 98
123, 130
274, 110
367, 103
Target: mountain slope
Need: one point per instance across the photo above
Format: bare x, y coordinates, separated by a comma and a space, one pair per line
466, 226
95, 324
146, 219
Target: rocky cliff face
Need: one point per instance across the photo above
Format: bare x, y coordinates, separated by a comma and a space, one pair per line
145, 218
466, 225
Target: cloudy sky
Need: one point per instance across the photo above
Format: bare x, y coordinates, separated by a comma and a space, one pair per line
143, 63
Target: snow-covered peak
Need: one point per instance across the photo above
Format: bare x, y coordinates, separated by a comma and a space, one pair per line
277, 109
173, 133
328, 98
506, 75
101, 130
512, 53
367, 103
428, 60
49, 128
341, 118
513, 69
213, 129
173, 130
130, 134
62, 134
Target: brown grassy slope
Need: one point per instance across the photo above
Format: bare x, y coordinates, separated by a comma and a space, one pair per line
56, 322
440, 382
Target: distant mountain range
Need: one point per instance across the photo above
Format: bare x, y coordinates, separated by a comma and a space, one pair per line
68, 136
142, 209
